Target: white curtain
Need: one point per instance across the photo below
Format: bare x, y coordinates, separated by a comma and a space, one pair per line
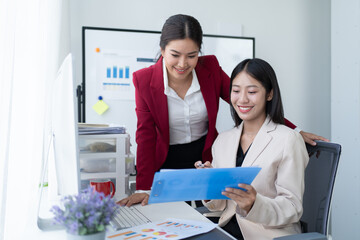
29, 58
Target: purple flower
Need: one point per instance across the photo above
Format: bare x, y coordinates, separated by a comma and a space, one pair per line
73, 227
85, 213
79, 215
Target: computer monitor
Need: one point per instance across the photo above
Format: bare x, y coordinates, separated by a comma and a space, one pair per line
63, 154
64, 133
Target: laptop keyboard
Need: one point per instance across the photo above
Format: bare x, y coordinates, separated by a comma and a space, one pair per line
126, 217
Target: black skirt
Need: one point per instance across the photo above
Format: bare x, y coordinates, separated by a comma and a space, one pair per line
182, 156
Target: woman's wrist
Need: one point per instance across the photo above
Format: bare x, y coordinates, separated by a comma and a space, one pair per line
298, 129
143, 191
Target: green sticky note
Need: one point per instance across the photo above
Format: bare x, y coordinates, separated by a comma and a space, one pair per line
100, 107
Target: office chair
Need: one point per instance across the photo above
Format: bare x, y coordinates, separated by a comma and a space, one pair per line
319, 183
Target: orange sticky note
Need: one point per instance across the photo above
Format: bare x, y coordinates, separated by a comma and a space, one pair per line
100, 107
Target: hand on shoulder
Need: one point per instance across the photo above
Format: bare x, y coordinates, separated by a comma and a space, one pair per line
310, 138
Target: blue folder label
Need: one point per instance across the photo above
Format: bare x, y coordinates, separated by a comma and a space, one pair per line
198, 184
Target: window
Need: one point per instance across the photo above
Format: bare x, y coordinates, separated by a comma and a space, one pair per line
29, 31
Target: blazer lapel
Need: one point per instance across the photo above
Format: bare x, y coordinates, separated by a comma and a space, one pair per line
232, 154
159, 99
261, 140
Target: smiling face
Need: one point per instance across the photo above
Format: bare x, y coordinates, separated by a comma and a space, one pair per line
249, 97
181, 57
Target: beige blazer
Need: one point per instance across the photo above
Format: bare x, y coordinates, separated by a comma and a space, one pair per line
282, 156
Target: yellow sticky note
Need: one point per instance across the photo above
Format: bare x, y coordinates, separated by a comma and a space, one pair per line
100, 107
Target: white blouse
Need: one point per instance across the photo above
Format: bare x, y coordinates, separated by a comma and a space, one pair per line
188, 119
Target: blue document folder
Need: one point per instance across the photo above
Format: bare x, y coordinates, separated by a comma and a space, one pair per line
198, 184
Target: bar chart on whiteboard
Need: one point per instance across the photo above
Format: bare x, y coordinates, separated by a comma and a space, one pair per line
113, 75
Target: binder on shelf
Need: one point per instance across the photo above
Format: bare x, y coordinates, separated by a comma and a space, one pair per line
85, 129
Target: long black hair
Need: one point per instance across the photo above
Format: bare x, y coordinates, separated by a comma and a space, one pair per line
265, 74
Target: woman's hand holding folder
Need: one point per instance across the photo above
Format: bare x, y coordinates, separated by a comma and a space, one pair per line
200, 165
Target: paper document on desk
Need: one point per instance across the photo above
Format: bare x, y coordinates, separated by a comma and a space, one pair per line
198, 184
170, 228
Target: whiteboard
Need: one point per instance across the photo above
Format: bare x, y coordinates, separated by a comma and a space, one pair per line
110, 56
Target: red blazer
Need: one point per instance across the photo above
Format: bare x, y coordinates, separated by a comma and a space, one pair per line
152, 135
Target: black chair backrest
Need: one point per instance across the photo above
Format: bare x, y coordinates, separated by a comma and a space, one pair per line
319, 182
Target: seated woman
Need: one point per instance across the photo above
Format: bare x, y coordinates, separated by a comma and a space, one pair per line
272, 205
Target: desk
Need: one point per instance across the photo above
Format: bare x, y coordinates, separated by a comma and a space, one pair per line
179, 210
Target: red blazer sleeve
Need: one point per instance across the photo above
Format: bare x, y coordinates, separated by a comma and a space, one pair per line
225, 86
289, 124
146, 140
221, 79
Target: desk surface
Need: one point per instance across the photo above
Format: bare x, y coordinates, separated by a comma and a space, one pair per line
179, 210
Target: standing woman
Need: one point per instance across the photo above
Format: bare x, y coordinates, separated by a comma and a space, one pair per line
177, 101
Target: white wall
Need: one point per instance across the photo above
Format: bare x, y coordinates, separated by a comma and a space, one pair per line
345, 115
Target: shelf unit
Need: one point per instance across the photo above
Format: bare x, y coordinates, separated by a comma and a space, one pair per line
105, 156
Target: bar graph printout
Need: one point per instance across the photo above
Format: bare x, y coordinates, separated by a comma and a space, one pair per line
113, 75
170, 228
114, 71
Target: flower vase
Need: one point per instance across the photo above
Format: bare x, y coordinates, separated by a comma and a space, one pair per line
94, 236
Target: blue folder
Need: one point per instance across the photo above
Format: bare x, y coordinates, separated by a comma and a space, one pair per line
198, 184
